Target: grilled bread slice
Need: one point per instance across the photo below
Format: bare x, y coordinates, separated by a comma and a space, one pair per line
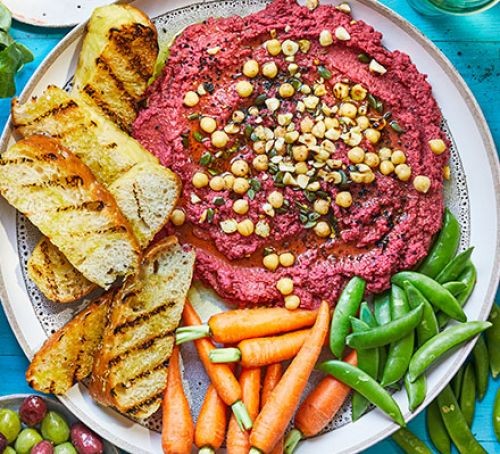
117, 60
130, 369
67, 356
59, 195
56, 278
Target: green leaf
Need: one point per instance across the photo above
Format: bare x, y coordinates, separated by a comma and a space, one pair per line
5, 18
10, 62
5, 40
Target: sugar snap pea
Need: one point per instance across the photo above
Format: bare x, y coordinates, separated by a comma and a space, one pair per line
436, 429
416, 391
454, 267
481, 366
428, 327
496, 415
493, 341
347, 306
409, 442
456, 382
440, 344
400, 351
385, 334
365, 314
467, 398
456, 425
455, 287
364, 384
468, 277
368, 360
444, 248
437, 295
382, 305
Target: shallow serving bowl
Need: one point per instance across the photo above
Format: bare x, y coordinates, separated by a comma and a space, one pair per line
473, 196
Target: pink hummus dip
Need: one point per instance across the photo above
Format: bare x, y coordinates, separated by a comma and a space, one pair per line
371, 150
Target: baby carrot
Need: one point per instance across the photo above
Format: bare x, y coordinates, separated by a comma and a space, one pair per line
262, 351
234, 326
221, 375
210, 427
271, 379
319, 407
238, 440
279, 408
177, 427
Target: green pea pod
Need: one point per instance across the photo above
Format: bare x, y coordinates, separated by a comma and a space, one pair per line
456, 382
496, 415
415, 391
455, 287
437, 295
365, 314
468, 394
444, 248
383, 335
468, 277
456, 425
347, 306
368, 360
493, 341
400, 351
436, 429
428, 327
455, 267
481, 366
382, 304
361, 382
440, 344
409, 442
382, 360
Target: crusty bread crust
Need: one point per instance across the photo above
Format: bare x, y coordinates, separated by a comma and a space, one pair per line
60, 195
67, 356
130, 369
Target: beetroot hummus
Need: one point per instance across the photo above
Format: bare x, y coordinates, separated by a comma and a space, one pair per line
309, 153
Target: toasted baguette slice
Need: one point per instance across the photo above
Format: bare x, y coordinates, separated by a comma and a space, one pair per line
130, 369
117, 60
60, 196
67, 356
56, 278
98, 142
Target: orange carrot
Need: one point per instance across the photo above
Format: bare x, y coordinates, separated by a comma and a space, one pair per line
272, 421
271, 379
177, 427
210, 427
324, 401
233, 326
262, 351
221, 375
237, 440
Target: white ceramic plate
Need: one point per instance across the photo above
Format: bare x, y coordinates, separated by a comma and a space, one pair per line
53, 13
473, 196
14, 401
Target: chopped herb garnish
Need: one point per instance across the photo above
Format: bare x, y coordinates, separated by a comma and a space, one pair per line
303, 218
185, 140
251, 194
248, 131
272, 168
387, 115
260, 99
296, 84
267, 251
324, 73
314, 216
380, 106
322, 194
198, 136
254, 137
364, 58
194, 116
213, 172
210, 214
206, 159
310, 196
219, 201
278, 178
255, 184
395, 125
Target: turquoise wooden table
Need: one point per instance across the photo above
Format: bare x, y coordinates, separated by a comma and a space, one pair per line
471, 43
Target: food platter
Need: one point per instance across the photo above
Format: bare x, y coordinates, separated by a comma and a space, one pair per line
474, 187
52, 13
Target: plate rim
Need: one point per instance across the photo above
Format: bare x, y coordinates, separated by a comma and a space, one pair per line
445, 64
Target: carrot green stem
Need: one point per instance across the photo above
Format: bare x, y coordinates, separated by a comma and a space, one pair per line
190, 333
206, 450
225, 355
241, 414
292, 440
